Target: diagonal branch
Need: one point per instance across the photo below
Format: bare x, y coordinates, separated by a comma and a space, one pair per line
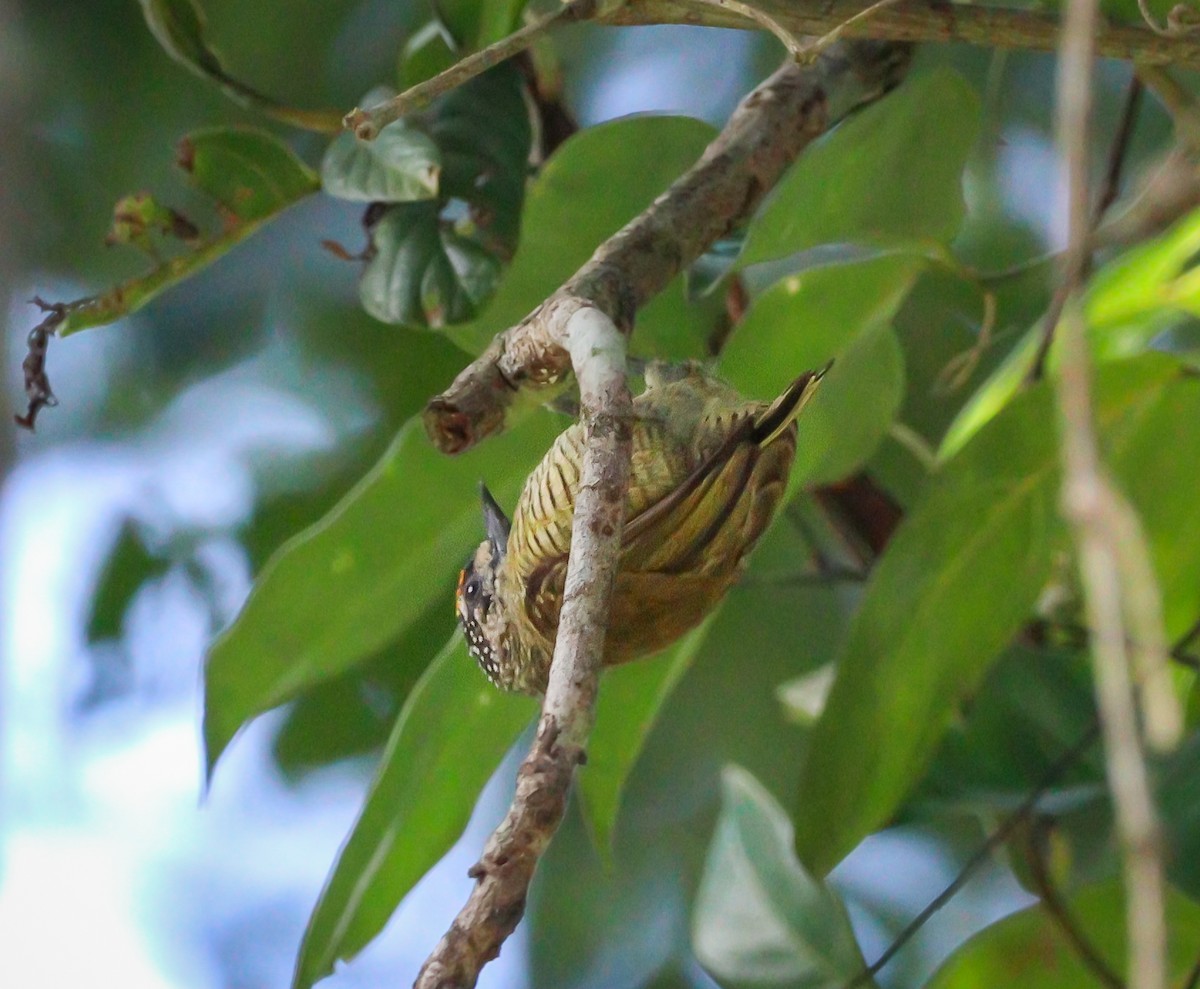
763, 136
583, 328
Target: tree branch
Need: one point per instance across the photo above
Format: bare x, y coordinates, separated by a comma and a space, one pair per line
763, 136
583, 328
921, 21
1118, 582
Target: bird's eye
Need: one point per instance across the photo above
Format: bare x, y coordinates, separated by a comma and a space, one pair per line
471, 591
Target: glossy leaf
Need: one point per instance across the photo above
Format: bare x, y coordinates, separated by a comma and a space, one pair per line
1029, 948
957, 580
346, 587
251, 173
759, 917
422, 273
631, 698
178, 25
890, 173
573, 205
401, 165
838, 312
450, 737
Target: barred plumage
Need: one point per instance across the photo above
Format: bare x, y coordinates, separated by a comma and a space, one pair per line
708, 471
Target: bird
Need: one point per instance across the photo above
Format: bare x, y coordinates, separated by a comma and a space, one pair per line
708, 471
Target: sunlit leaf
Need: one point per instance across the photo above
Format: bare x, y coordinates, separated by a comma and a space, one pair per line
423, 273
450, 737
251, 173
1030, 948
957, 580
892, 172
348, 586
759, 917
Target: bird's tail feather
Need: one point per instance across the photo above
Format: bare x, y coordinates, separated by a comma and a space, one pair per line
783, 411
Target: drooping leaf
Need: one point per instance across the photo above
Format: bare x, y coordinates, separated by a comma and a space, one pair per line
957, 580
630, 700
449, 738
838, 312
573, 205
1031, 950
343, 589
251, 173
401, 165
891, 173
423, 273
760, 919
252, 176
178, 25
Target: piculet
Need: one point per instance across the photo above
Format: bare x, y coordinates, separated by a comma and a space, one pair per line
709, 469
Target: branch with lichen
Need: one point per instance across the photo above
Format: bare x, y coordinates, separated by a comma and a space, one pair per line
583, 329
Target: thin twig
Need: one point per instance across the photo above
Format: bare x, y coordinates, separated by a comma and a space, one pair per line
1107, 536
763, 136
366, 124
923, 21
1060, 911
813, 49
997, 838
764, 20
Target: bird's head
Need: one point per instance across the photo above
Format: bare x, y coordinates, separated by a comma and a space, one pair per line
475, 601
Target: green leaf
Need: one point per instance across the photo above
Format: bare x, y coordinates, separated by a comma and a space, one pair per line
759, 917
252, 176
129, 566
341, 590
840, 311
631, 697
425, 54
477, 23
450, 737
251, 173
422, 273
573, 205
401, 165
1030, 950
957, 580
178, 25
890, 173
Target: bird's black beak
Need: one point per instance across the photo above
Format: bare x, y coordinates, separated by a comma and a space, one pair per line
495, 522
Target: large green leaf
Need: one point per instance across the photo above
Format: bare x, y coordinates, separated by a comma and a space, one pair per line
840, 311
574, 204
1029, 949
178, 25
760, 919
631, 698
957, 580
352, 583
450, 737
422, 272
890, 173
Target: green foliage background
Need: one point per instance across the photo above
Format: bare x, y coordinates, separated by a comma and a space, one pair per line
711, 810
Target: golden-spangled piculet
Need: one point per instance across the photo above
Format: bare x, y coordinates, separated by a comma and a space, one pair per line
708, 471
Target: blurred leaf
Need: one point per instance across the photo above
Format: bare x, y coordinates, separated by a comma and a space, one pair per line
957, 580
422, 273
401, 165
450, 737
1029, 948
574, 205
840, 311
179, 27
249, 172
129, 566
892, 172
1177, 789
425, 54
631, 697
341, 590
759, 917
477, 23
